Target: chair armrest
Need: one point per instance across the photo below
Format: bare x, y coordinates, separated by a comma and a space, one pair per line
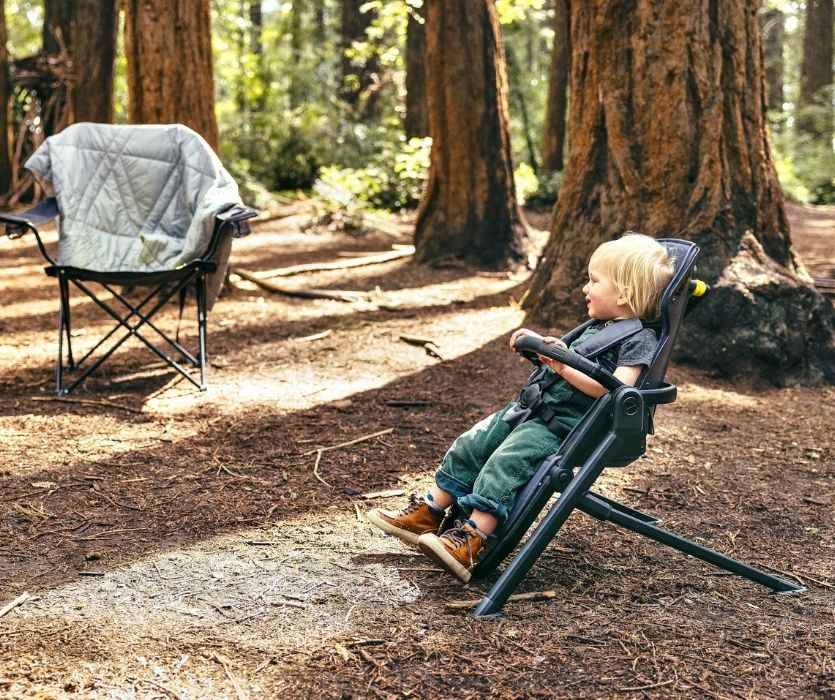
236, 216
42, 213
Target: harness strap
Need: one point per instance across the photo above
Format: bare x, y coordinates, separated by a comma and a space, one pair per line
547, 416
608, 336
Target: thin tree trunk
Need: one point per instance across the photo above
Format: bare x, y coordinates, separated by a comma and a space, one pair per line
668, 137
296, 80
773, 23
360, 80
417, 118
470, 209
554, 139
5, 116
816, 68
169, 51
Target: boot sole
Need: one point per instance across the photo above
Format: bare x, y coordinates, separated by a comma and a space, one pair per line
433, 548
387, 527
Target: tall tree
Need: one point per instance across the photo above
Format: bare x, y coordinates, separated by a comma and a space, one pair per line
668, 136
5, 117
360, 76
57, 15
772, 23
816, 67
168, 45
469, 209
416, 123
92, 45
553, 142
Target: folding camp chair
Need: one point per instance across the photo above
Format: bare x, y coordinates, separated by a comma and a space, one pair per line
148, 209
612, 434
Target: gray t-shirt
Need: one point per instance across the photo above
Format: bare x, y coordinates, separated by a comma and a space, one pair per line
570, 404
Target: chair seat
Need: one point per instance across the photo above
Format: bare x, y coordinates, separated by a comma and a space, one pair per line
135, 279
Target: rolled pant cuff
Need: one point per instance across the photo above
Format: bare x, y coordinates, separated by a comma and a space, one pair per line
456, 489
475, 502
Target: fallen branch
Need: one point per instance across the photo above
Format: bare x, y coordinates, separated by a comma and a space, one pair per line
86, 402
532, 596
20, 600
334, 294
374, 259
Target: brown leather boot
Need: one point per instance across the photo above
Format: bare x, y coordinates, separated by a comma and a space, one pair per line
456, 550
410, 522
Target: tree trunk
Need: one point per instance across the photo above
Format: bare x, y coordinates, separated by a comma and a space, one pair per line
360, 78
417, 119
5, 115
470, 209
554, 139
816, 68
57, 15
296, 79
668, 137
169, 50
92, 44
772, 24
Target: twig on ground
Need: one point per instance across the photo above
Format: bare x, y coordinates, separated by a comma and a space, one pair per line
530, 597
86, 402
165, 690
20, 600
223, 661
383, 494
315, 336
321, 450
430, 346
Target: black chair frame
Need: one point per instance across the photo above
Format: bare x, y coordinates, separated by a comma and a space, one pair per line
612, 434
131, 317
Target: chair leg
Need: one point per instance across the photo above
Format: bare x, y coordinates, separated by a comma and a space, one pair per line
200, 293
644, 525
530, 551
64, 331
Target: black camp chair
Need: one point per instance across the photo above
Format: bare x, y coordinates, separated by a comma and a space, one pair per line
612, 434
134, 297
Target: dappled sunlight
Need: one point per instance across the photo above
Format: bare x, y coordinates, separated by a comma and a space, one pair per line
727, 398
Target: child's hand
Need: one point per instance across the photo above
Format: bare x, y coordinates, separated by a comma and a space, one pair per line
518, 334
555, 365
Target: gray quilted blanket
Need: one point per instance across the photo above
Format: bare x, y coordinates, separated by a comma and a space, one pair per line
133, 198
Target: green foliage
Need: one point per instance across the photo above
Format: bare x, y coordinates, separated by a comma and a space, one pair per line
392, 179
24, 21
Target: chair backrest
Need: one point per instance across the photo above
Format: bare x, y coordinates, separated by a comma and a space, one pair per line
133, 198
673, 308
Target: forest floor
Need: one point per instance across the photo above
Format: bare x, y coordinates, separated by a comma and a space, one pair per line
173, 543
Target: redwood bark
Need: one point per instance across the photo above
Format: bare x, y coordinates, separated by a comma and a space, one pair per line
5, 116
554, 139
773, 22
816, 66
170, 77
668, 136
92, 44
417, 118
470, 209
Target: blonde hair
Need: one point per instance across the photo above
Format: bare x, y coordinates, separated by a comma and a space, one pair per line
640, 269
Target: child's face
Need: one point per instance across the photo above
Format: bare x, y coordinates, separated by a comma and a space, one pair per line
602, 299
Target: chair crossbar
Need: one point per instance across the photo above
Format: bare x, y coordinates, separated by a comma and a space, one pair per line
137, 318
